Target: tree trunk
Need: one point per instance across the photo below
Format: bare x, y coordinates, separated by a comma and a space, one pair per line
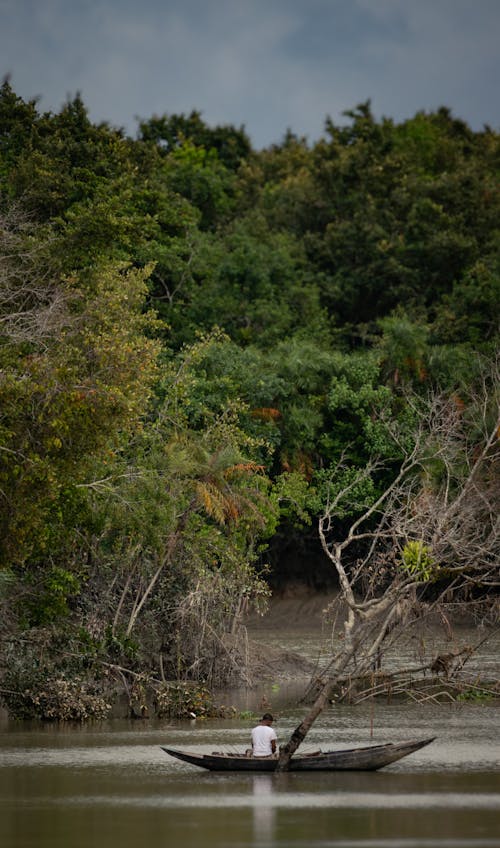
337, 667
299, 734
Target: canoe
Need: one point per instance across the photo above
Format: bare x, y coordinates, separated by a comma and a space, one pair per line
369, 758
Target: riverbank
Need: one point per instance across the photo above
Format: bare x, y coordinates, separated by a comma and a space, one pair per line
283, 657
299, 633
289, 639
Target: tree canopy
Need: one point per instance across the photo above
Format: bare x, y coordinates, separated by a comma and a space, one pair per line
194, 335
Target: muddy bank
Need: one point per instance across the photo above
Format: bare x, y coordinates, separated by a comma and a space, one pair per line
296, 608
298, 634
277, 639
270, 663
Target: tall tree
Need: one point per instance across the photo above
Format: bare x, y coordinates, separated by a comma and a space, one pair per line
432, 532
77, 371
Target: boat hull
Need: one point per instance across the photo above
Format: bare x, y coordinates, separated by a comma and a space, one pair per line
369, 758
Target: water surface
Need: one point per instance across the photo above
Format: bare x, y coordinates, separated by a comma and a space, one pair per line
110, 785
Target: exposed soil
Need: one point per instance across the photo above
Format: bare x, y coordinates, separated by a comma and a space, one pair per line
269, 663
298, 610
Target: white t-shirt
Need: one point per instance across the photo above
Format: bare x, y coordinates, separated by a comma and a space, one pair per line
262, 736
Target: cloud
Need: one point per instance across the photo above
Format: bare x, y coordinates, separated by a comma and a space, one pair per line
268, 64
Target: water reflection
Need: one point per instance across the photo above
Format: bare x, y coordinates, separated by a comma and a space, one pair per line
264, 809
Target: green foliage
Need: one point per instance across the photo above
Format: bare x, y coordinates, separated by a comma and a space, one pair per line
292, 492
39, 684
417, 561
404, 348
50, 600
7, 578
68, 400
200, 177
171, 132
356, 400
58, 699
469, 313
248, 714
118, 646
64, 157
354, 493
248, 281
177, 700
475, 694
201, 343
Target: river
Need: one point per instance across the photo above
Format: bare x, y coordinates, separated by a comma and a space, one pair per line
109, 785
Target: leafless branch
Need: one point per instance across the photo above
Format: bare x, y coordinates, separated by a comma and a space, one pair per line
441, 507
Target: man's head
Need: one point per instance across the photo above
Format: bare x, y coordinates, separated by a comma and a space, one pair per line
267, 719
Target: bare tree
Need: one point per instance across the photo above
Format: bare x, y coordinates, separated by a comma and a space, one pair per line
33, 302
433, 529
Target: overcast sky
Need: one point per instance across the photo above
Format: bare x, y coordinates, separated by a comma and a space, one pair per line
269, 65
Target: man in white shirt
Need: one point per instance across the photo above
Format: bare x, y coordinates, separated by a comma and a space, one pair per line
264, 738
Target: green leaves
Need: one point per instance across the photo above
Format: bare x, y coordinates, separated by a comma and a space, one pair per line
200, 344
70, 393
417, 561
50, 602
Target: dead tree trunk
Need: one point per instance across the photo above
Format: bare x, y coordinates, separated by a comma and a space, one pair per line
364, 632
414, 534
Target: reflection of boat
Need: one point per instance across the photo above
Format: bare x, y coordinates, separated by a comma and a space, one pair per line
352, 759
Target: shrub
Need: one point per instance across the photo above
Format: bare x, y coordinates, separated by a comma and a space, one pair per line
418, 560
59, 699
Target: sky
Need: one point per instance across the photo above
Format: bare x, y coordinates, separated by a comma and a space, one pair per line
268, 65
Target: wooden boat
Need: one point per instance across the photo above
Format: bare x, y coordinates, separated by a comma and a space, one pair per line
370, 758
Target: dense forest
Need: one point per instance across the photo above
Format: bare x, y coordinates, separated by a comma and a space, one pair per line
198, 340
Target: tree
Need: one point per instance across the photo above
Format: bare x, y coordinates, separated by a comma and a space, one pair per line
169, 132
432, 533
184, 521
77, 367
